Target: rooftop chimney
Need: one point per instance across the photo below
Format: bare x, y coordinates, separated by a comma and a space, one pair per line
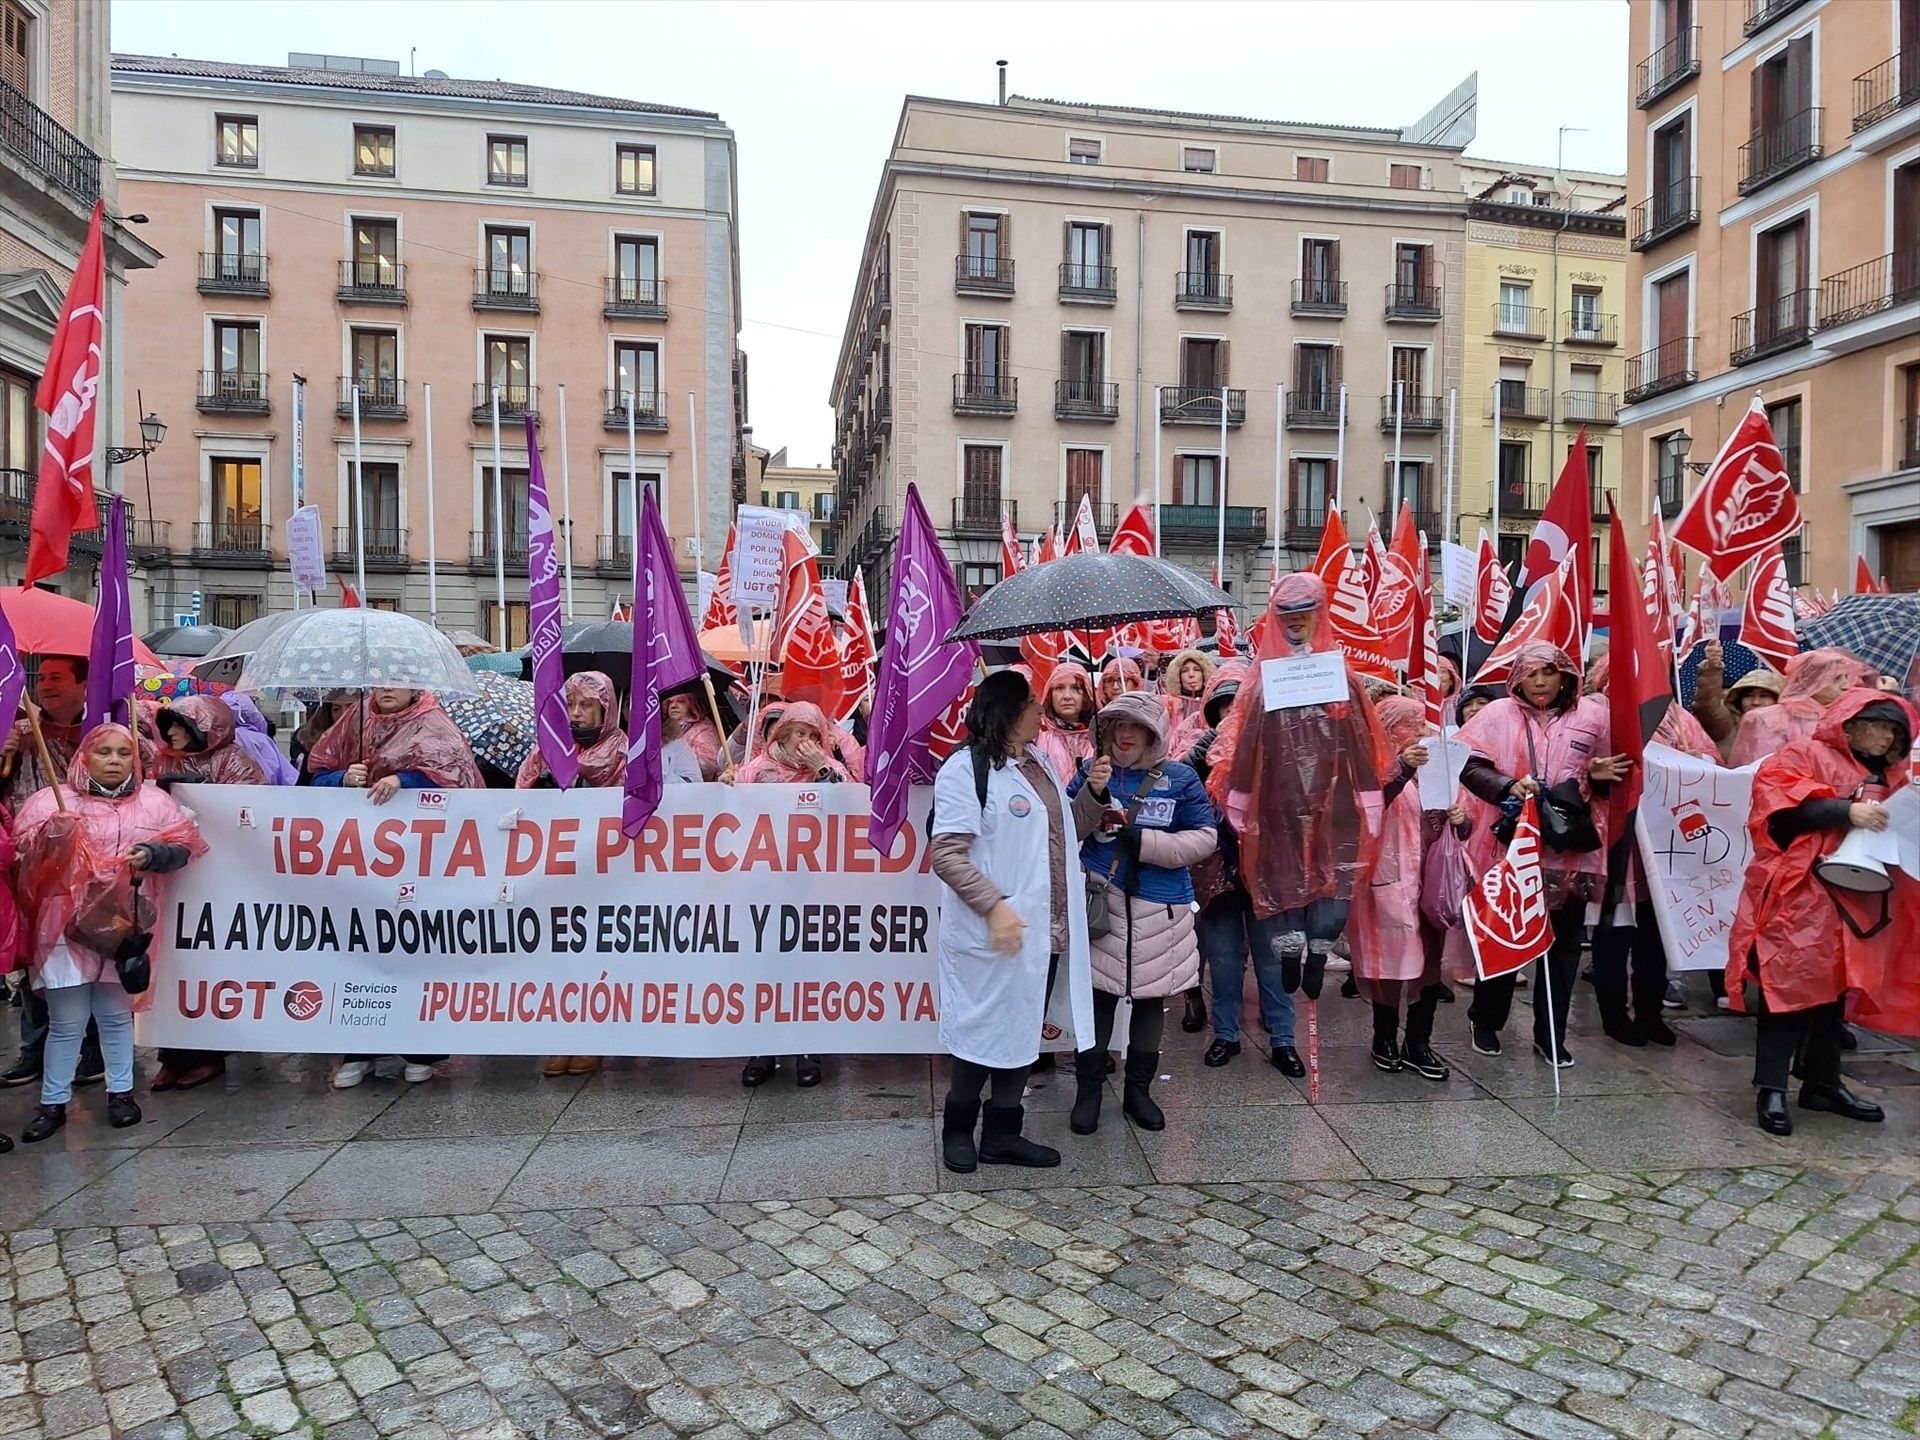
1003, 80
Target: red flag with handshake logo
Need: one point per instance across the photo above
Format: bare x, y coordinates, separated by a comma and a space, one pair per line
69, 397
1506, 913
1767, 619
1745, 503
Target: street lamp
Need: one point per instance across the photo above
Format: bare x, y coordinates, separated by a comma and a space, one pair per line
1679, 446
152, 431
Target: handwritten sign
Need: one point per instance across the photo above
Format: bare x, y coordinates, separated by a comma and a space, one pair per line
1694, 847
305, 555
756, 557
703, 583
1295, 680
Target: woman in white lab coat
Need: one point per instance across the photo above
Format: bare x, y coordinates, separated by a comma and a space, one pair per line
1004, 840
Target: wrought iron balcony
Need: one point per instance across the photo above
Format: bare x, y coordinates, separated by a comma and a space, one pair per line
1667, 366
1413, 302
982, 275
1200, 405
1794, 142
1891, 85
882, 413
150, 537
382, 397
1105, 517
632, 298
1416, 413
386, 548
1590, 327
232, 392
1667, 211
1244, 522
989, 394
1524, 322
1868, 288
234, 541
1086, 400
1589, 407
1088, 282
1518, 400
1319, 296
979, 514
517, 290
1202, 290
614, 557
46, 147
1304, 525
1780, 324
876, 537
649, 409
224, 274
1673, 64
1762, 13
515, 401
512, 547
373, 282
1313, 410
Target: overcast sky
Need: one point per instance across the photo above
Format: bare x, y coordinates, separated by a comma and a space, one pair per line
813, 91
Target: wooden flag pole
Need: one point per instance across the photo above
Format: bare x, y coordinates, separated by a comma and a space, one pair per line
719, 725
46, 759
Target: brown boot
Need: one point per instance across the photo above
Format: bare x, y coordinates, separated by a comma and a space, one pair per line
556, 1066
583, 1065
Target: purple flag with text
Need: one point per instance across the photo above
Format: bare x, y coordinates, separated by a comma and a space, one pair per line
13, 675
110, 673
555, 734
921, 672
666, 653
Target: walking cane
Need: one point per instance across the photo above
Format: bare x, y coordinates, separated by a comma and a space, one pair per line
1546, 989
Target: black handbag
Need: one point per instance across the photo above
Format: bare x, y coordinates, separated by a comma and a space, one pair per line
1566, 816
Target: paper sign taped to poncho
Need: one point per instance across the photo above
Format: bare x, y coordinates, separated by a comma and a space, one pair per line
1296, 680
1694, 848
1440, 776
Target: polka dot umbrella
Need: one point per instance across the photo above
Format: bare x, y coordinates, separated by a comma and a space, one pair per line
1090, 591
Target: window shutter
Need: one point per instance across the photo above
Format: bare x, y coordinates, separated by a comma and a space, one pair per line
1006, 237
1220, 371
966, 221
1066, 240
1757, 101
1334, 352
1299, 369
1066, 358
1333, 261
1293, 484
1799, 88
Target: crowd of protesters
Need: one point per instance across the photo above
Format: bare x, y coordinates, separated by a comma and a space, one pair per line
1107, 843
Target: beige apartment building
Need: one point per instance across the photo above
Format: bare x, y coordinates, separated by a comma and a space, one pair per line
339, 221
808, 488
1774, 174
55, 161
1036, 273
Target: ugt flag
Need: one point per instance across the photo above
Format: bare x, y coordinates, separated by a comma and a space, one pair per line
1745, 502
69, 397
1506, 913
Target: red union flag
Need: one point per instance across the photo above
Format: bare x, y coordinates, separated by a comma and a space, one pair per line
1083, 536
1010, 556
1403, 573
1745, 503
1347, 609
1767, 619
1492, 593
857, 652
720, 607
1863, 581
1657, 594
69, 397
804, 644
1226, 629
1549, 616
1506, 913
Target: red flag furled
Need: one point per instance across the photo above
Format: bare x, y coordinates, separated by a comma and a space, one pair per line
1492, 593
1639, 684
1863, 581
1083, 536
720, 607
1429, 681
1403, 574
1657, 595
1010, 557
1048, 548
1347, 604
1506, 913
1745, 502
857, 652
804, 645
1373, 560
1767, 618
1226, 629
1548, 616
69, 396
349, 597
1565, 525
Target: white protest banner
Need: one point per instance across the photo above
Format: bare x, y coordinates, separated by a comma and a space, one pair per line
703, 584
1440, 776
1457, 572
306, 556
756, 556
745, 920
1903, 808
1295, 680
835, 592
1694, 848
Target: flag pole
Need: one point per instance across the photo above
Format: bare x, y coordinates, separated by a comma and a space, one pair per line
1279, 464
566, 498
359, 504
633, 493
698, 499
1546, 991
46, 759
693, 475
1496, 475
499, 529
1156, 469
1399, 414
1220, 495
1446, 523
1340, 459
433, 576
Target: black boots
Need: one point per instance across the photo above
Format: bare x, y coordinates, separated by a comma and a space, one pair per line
1770, 1110
1001, 1142
1195, 1018
1090, 1077
1136, 1099
46, 1121
957, 1150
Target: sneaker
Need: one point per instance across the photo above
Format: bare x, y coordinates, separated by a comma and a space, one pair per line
1676, 997
415, 1074
1563, 1061
1721, 1002
351, 1073
1423, 1062
1386, 1054
1486, 1041
25, 1071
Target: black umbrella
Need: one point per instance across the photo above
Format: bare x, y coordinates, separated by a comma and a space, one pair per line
1090, 591
189, 640
607, 646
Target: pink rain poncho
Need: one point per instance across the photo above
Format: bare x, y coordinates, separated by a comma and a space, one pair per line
418, 737
220, 761
603, 760
780, 763
1118, 676
1064, 744
1190, 730
1383, 928
1181, 706
74, 877
1814, 680
1300, 786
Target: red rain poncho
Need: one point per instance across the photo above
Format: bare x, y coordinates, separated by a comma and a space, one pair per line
1301, 787
220, 761
1766, 731
1383, 929
63, 743
603, 760
777, 764
1063, 744
419, 736
1788, 925
72, 871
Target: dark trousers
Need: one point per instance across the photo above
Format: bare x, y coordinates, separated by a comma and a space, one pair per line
966, 1081
1144, 1033
1813, 1035
1386, 1019
1553, 974
1630, 968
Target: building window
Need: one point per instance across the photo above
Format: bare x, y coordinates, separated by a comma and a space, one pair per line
1195, 480
983, 239
1516, 309
373, 150
1413, 489
1515, 460
633, 169
376, 365
1408, 369
509, 367
1203, 364
1082, 150
829, 543
1672, 305
1413, 275
236, 356
1672, 198
1793, 551
986, 353
376, 253
19, 432
1785, 420
1202, 275
1586, 314
16, 65
636, 372
1316, 377
1311, 168
636, 269
1404, 177
823, 505
978, 578
624, 496
1083, 365
230, 612
509, 262
516, 637
513, 514
1086, 257
1312, 489
1596, 488
1782, 92
507, 160
789, 499
237, 241
1908, 445
1086, 475
380, 495
980, 483
1197, 160
1671, 473
238, 138
1780, 282
1520, 195
234, 501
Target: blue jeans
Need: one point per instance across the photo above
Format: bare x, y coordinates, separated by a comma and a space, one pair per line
68, 1009
1228, 933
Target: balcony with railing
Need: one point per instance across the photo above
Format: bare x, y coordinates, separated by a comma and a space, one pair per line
1778, 151
994, 393
44, 146
1105, 517
231, 392
1668, 210
1202, 290
1590, 327
1304, 524
978, 512
613, 558
373, 282
1313, 409
224, 274
1200, 405
16, 503
1413, 412
1780, 324
1589, 407
1245, 523
630, 297
515, 401
1672, 65
882, 413
875, 538
151, 538
1520, 322
1086, 400
506, 289
382, 397
1319, 295
648, 407
1762, 13
1097, 284
1515, 400
232, 542
983, 275
1667, 366
386, 548
1869, 288
1887, 88
511, 547
1412, 302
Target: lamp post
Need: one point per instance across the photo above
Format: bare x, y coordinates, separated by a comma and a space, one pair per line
152, 431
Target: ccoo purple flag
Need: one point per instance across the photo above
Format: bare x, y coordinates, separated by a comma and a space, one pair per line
13, 675
921, 672
110, 673
666, 653
543, 621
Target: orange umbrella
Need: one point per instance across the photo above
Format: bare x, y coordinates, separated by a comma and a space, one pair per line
48, 624
723, 643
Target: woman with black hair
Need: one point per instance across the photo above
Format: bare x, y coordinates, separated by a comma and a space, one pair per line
1014, 905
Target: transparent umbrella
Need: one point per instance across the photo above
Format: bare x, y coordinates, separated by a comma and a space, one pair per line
357, 649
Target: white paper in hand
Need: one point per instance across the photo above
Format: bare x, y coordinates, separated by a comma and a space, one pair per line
1296, 680
1440, 776
1903, 810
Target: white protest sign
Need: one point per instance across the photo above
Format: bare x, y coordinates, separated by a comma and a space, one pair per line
1457, 569
1440, 776
1903, 811
1694, 848
756, 556
1295, 680
835, 592
306, 556
704, 581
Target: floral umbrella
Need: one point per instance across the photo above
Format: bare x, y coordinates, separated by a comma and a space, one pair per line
357, 649
497, 720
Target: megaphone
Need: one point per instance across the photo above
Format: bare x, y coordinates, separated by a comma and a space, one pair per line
1856, 865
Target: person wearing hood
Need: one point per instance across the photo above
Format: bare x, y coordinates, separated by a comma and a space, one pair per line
1119, 676
1800, 946
1539, 736
1719, 706
1300, 785
1157, 823
1814, 680
89, 874
318, 721
1066, 718
1184, 687
684, 718
252, 735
